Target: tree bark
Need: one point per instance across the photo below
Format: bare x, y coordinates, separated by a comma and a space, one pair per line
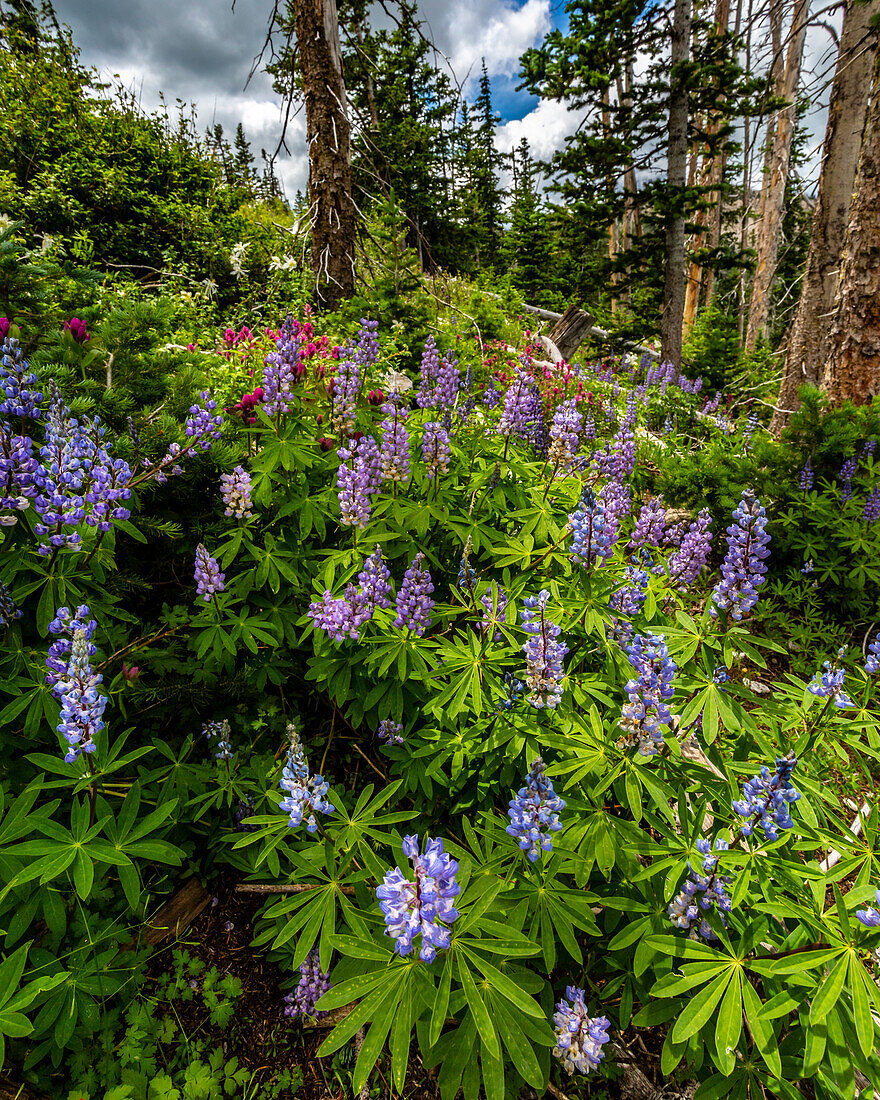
676, 175
773, 192
852, 370
329, 136
847, 108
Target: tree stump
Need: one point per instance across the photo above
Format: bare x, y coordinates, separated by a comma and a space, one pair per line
570, 331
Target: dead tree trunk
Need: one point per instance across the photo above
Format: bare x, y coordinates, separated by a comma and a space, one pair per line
770, 227
852, 370
843, 137
676, 176
329, 136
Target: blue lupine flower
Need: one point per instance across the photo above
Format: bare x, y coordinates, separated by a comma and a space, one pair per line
435, 450
628, 599
73, 681
375, 588
235, 488
8, 611
806, 477
467, 576
544, 654
358, 479
766, 798
579, 1037
720, 674
220, 734
847, 473
281, 370
306, 793
646, 711
870, 917
313, 984
494, 612
830, 682
564, 433
650, 526
687, 562
19, 400
209, 580
414, 603
534, 813
872, 664
424, 906
702, 892
394, 449
591, 529
743, 568
512, 692
390, 731
518, 407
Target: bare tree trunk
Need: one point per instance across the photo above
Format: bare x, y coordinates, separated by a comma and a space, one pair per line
775, 180
631, 224
711, 177
852, 370
843, 136
676, 175
329, 136
746, 210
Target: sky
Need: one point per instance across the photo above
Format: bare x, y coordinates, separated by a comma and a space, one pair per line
201, 52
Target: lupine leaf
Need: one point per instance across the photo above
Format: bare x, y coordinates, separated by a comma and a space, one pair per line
698, 1010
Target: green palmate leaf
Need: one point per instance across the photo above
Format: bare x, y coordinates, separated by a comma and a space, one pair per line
368, 1009
506, 987
829, 991
760, 1027
493, 1073
441, 1002
477, 1005
698, 1010
728, 1027
400, 1037
352, 989
862, 992
521, 1051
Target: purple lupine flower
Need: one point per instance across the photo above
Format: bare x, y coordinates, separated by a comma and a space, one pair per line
494, 612
537, 429
375, 587
870, 917
579, 1037
350, 375
743, 567
8, 611
202, 428
591, 540
106, 479
219, 735
847, 473
650, 526
467, 575
830, 683
435, 449
73, 681
394, 451
766, 798
426, 398
313, 984
59, 478
448, 382
565, 434
18, 467
720, 675
749, 429
511, 695
414, 603
358, 479
711, 404
391, 731
281, 371
806, 477
514, 419
534, 813
617, 459
491, 397
337, 617
306, 793
872, 507
544, 653
629, 597
872, 664
589, 428
702, 891
423, 906
617, 501
686, 564
209, 580
236, 491
19, 399
646, 711
869, 447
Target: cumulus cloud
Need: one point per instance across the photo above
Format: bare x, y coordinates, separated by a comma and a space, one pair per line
545, 128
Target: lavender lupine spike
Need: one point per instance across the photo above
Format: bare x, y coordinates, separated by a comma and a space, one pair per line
209, 580
579, 1037
494, 612
8, 610
688, 561
390, 731
650, 526
537, 429
219, 734
18, 468
313, 984
306, 793
646, 712
236, 489
394, 451
448, 382
74, 682
534, 812
830, 684
337, 617
847, 473
374, 582
870, 917
281, 370
514, 419
871, 511
106, 487
766, 798
426, 398
702, 892
591, 539
16, 381
435, 449
353, 368
743, 568
544, 653
59, 479
565, 434
872, 664
511, 695
617, 501
202, 428
422, 905
358, 479
629, 598
414, 603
